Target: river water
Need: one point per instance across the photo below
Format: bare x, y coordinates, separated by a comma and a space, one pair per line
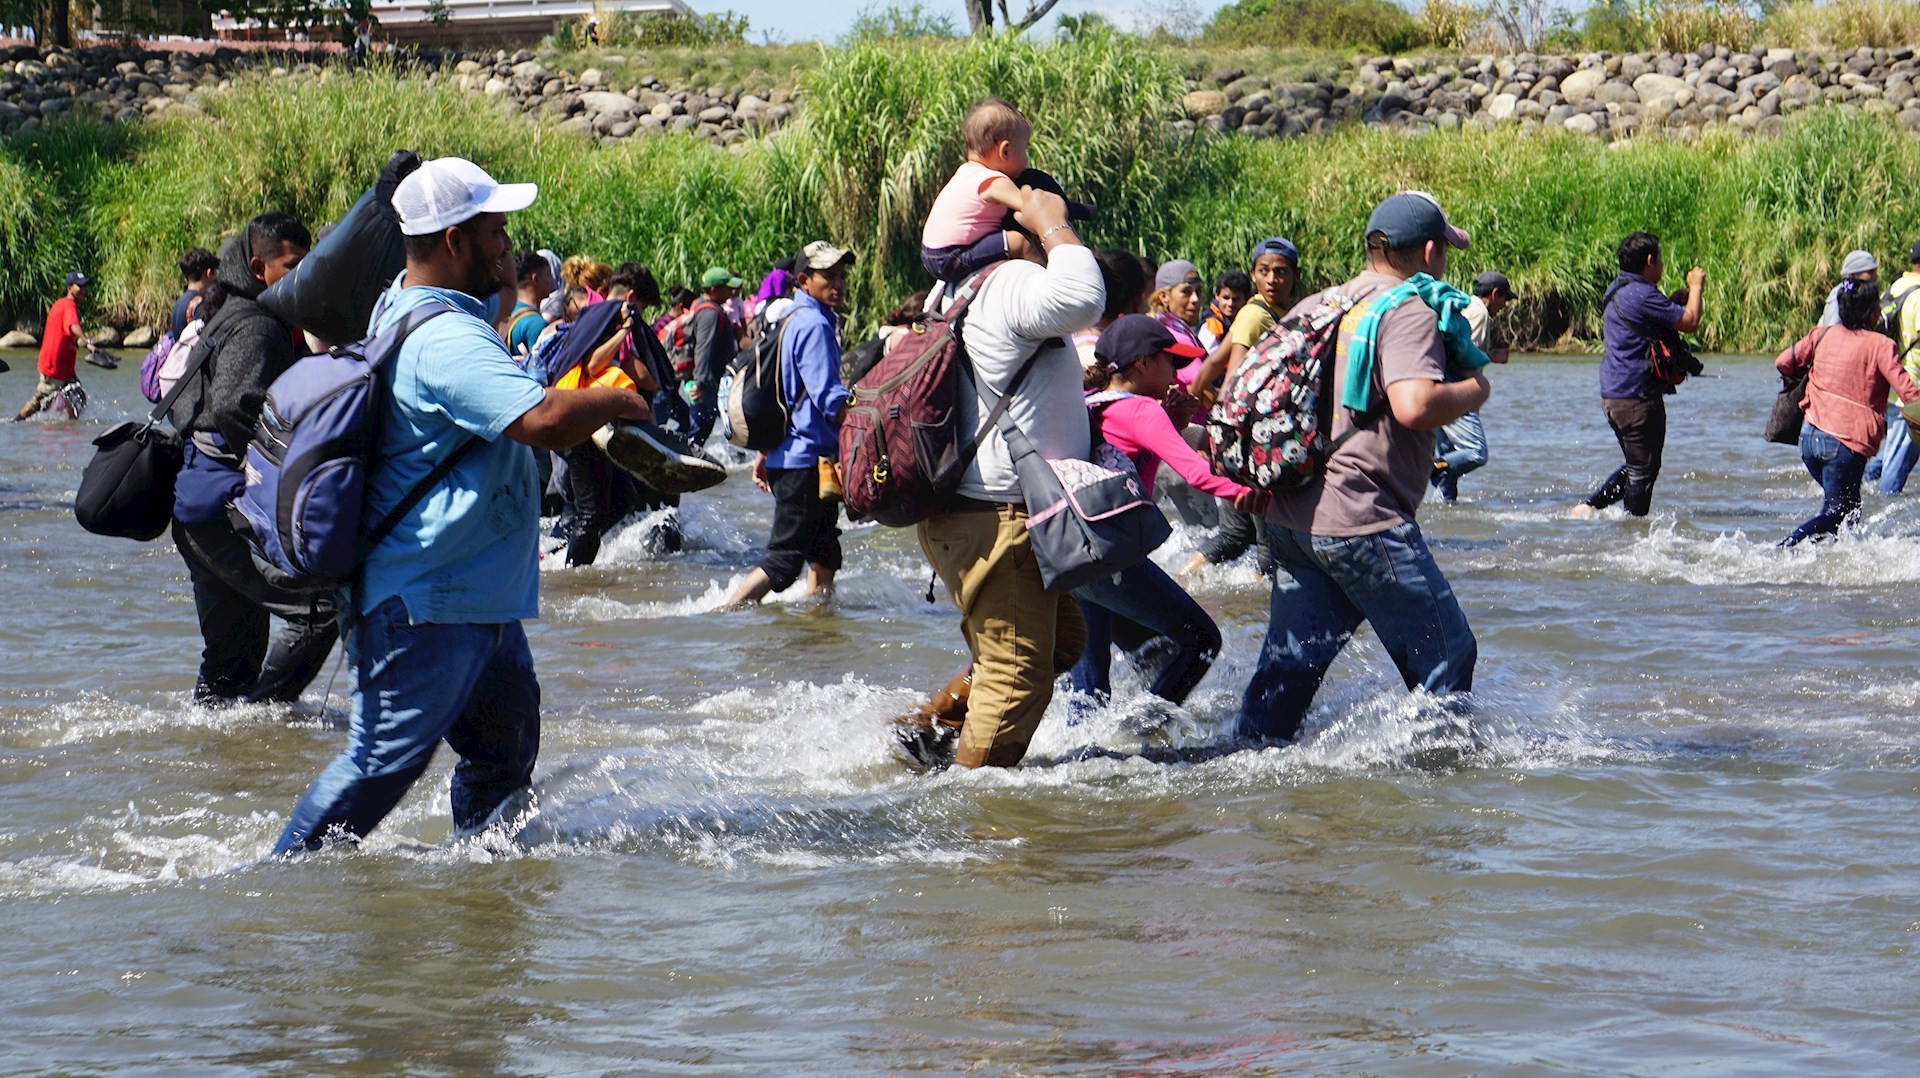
1678, 840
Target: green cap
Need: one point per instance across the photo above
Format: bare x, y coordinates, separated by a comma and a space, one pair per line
720, 275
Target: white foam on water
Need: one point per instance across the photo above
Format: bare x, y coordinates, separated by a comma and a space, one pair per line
96, 717
1860, 559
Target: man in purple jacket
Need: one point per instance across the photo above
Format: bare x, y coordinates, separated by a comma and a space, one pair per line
806, 518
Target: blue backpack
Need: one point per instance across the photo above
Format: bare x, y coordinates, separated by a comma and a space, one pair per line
309, 460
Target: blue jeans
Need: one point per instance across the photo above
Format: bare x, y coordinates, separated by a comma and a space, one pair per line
1897, 455
1323, 588
416, 684
1838, 470
1142, 605
1463, 445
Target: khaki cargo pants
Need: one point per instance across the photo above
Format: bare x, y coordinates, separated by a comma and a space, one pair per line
1021, 635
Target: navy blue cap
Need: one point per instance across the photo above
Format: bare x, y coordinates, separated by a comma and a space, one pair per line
1490, 282
1133, 337
1412, 217
81, 279
1275, 245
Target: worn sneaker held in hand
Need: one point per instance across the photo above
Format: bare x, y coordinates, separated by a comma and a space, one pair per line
658, 458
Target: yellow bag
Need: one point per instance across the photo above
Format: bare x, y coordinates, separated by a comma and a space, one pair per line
612, 376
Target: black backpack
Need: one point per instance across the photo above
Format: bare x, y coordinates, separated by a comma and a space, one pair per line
758, 412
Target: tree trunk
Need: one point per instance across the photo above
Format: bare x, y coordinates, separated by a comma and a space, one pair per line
59, 23
979, 17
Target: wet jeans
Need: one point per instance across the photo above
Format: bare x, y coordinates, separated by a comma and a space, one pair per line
1238, 530
1463, 445
1897, 455
472, 685
1323, 588
1159, 609
1640, 426
1838, 470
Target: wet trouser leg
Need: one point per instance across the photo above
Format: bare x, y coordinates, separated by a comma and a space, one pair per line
1640, 426
472, 685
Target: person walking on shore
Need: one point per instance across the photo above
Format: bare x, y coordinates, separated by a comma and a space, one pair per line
799, 471
1634, 315
433, 622
60, 345
1346, 547
1850, 368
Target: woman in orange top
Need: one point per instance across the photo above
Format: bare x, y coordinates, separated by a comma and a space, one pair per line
1849, 369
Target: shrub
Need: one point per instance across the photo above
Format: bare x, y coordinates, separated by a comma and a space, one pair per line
1844, 24
1373, 25
1451, 24
1685, 25
650, 30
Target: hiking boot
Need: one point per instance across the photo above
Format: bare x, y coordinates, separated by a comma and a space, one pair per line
925, 747
658, 458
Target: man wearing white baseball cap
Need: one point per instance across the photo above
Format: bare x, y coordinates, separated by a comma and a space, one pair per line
433, 623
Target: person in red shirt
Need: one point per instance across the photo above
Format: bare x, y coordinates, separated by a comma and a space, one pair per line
59, 345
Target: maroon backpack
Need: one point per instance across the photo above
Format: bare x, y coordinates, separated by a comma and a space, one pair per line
902, 452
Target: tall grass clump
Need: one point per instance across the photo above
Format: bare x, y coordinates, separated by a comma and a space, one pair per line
881, 135
1844, 24
1769, 218
46, 178
36, 247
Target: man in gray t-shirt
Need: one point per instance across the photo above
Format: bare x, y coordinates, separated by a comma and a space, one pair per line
1346, 548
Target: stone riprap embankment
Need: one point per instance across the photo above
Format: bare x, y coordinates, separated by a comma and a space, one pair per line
1601, 94
1608, 96
37, 87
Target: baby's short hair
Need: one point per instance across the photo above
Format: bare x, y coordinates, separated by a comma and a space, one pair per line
990, 122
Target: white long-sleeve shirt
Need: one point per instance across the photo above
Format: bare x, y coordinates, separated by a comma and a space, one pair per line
1023, 307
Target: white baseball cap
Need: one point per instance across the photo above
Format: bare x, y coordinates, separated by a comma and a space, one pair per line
448, 191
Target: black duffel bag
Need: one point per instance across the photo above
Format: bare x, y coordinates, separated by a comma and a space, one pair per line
127, 488
332, 292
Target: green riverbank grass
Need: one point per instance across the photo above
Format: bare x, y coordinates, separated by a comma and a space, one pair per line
1770, 219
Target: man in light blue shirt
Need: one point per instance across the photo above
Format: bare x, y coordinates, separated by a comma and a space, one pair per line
433, 625
806, 519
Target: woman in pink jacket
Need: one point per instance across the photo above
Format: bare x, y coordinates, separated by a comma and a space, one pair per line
1143, 604
1852, 366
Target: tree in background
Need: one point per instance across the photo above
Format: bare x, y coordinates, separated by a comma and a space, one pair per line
980, 16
